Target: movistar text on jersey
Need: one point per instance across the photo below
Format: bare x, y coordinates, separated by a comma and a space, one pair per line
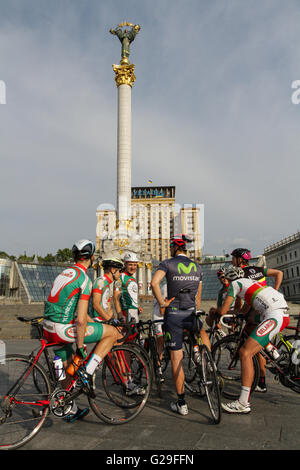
186, 278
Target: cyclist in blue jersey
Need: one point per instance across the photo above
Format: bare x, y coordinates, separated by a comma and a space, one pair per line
184, 285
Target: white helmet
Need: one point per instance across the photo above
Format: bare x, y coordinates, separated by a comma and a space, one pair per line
234, 273
131, 258
83, 248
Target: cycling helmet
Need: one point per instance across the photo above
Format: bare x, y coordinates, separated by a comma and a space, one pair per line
180, 240
234, 273
131, 258
112, 263
221, 272
83, 249
242, 253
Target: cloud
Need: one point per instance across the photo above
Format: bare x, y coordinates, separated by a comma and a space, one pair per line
211, 114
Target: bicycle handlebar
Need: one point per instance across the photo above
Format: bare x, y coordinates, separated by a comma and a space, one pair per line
233, 317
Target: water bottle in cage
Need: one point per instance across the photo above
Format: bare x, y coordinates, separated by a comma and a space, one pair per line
59, 368
273, 351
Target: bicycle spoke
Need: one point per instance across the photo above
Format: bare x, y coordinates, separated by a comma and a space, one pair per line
23, 411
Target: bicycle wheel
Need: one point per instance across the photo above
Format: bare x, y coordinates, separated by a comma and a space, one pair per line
23, 407
189, 366
122, 385
289, 362
210, 383
142, 351
165, 359
228, 365
155, 364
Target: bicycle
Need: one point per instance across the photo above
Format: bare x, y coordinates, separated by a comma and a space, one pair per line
29, 392
201, 368
288, 342
150, 346
226, 356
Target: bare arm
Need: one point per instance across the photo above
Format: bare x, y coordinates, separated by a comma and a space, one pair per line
226, 305
81, 321
107, 315
155, 285
198, 296
116, 297
278, 277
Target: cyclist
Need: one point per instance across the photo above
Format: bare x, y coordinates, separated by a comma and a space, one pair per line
103, 289
158, 328
241, 258
66, 314
126, 291
184, 285
222, 293
272, 308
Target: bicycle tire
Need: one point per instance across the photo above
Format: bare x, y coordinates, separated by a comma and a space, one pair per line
222, 354
189, 366
154, 362
210, 383
141, 350
286, 362
19, 423
165, 359
112, 403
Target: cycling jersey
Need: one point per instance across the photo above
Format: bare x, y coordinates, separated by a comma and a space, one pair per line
68, 288
128, 287
183, 278
103, 285
263, 299
222, 294
268, 302
255, 273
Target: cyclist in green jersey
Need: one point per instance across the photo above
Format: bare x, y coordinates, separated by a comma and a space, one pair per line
66, 317
126, 291
214, 312
103, 289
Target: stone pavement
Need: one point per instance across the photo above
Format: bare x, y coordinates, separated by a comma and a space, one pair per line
273, 424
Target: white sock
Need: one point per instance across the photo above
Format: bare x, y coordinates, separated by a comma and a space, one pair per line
244, 396
93, 364
74, 409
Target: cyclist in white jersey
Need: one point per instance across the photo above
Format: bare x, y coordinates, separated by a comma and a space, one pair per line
272, 307
158, 327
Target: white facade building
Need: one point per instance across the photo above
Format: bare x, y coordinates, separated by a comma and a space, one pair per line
285, 255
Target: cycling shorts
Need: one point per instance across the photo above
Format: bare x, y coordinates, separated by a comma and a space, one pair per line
174, 324
131, 315
272, 324
67, 334
157, 327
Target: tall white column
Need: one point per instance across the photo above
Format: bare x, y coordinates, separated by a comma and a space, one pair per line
124, 155
124, 79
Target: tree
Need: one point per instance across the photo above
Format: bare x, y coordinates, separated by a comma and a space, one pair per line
49, 258
64, 255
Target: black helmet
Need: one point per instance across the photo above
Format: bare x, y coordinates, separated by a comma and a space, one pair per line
112, 263
242, 253
83, 249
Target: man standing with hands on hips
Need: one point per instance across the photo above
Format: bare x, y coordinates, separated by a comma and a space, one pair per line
184, 285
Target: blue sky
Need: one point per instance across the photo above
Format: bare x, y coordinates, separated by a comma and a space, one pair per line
211, 114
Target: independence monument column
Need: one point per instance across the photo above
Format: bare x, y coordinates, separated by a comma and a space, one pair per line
124, 77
